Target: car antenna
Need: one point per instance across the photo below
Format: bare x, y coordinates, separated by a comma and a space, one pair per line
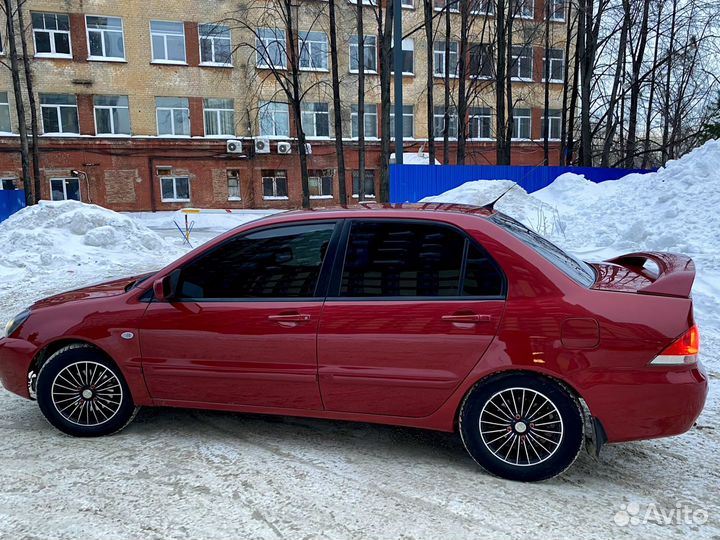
491, 205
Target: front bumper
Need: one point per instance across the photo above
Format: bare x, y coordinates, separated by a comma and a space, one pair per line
647, 403
16, 355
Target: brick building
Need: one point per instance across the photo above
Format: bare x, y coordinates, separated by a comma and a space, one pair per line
138, 100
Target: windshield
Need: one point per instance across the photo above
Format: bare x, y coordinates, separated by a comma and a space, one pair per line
573, 267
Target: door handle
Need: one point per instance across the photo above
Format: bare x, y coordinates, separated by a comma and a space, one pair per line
290, 318
466, 318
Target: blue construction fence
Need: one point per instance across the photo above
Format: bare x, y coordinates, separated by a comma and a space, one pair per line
11, 200
410, 183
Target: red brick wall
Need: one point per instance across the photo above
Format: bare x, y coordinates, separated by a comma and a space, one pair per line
192, 43
78, 37
86, 114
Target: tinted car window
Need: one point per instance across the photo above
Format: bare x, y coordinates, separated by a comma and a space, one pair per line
413, 259
281, 262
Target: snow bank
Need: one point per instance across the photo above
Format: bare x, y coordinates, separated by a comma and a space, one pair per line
206, 220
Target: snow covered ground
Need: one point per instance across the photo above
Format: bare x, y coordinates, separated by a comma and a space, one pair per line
186, 474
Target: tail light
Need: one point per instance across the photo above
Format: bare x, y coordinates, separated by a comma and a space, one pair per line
682, 351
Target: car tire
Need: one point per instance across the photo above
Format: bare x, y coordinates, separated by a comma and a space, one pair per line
522, 427
84, 394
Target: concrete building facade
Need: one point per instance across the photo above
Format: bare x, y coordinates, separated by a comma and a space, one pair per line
138, 100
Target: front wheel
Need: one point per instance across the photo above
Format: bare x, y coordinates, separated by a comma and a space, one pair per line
522, 427
83, 394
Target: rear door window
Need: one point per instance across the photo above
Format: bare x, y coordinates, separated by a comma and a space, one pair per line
411, 259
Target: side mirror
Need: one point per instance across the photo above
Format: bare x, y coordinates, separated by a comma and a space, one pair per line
164, 288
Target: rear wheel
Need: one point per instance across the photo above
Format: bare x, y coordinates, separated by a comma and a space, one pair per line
522, 427
84, 394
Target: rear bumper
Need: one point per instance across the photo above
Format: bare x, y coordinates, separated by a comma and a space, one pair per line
647, 403
15, 358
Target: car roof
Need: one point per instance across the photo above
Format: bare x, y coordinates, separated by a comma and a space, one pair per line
367, 209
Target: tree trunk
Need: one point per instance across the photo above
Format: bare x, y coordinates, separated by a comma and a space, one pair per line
500, 73
507, 158
546, 104
653, 83
385, 37
635, 88
361, 101
668, 78
337, 107
19, 102
462, 102
586, 67
446, 103
566, 86
428, 8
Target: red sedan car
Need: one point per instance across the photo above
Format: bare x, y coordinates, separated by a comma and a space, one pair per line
435, 316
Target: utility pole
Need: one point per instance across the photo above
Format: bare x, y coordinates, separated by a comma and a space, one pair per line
397, 62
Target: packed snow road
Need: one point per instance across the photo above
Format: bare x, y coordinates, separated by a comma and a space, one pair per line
180, 473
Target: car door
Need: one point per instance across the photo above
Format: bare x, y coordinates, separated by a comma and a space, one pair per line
411, 310
242, 326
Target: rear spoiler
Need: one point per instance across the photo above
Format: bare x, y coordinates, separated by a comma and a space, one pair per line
675, 277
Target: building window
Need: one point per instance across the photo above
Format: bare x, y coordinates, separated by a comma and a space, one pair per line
175, 188
557, 65
522, 63
554, 125
370, 56
271, 50
525, 9
65, 189
233, 183
173, 116
482, 7
450, 5
105, 38
215, 45
408, 57
482, 63
407, 4
5, 126
371, 121
368, 185
316, 119
112, 115
557, 10
480, 122
274, 119
168, 42
275, 185
51, 33
314, 51
408, 121
7, 184
522, 124
440, 65
219, 117
320, 185
439, 122
59, 114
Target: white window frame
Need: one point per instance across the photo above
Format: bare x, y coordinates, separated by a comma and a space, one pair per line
364, 2
515, 75
102, 31
516, 125
473, 117
519, 13
453, 115
65, 181
235, 177
553, 61
454, 8
405, 114
164, 35
408, 44
354, 118
274, 180
357, 195
217, 113
262, 58
57, 108
6, 103
555, 119
356, 45
553, 10
270, 107
175, 198
319, 180
437, 52
307, 113
8, 179
407, 4
172, 115
112, 121
302, 46
212, 40
491, 56
488, 8
52, 53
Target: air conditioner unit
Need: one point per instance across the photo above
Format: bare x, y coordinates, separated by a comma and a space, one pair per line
262, 146
308, 148
284, 148
234, 147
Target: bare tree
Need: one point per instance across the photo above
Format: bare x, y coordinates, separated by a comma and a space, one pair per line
337, 110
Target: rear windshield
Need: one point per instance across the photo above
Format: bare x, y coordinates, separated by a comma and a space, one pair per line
573, 267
